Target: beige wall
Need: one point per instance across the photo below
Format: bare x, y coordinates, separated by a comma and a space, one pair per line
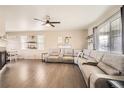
100, 20
78, 41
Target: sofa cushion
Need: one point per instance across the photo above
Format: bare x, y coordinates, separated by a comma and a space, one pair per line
68, 59
114, 60
54, 59
54, 52
87, 70
91, 62
68, 52
96, 55
77, 52
107, 69
86, 53
85, 56
81, 60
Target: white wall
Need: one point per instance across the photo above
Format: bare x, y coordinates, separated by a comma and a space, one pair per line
78, 41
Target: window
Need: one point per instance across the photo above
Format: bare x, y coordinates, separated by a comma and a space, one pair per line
40, 42
116, 38
23, 42
103, 38
108, 36
26, 41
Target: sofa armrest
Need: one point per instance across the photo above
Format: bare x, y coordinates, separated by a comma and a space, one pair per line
100, 80
80, 54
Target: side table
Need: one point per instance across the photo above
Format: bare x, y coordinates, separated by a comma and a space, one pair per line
43, 56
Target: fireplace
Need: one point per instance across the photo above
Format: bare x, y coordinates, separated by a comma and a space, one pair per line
2, 57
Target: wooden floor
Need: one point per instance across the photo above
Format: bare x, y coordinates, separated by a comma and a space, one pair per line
37, 74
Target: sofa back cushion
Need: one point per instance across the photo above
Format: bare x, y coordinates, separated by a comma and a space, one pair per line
107, 69
86, 53
114, 60
54, 52
68, 52
76, 52
96, 55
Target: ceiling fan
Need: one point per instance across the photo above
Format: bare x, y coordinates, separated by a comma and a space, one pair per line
47, 21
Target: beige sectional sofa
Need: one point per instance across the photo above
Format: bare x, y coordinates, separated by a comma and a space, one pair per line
98, 67
60, 55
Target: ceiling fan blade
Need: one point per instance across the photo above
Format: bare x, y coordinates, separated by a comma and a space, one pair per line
52, 25
55, 22
38, 20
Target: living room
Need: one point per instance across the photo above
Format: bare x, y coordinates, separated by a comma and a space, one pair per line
45, 40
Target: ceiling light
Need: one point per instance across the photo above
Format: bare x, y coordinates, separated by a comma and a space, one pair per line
48, 25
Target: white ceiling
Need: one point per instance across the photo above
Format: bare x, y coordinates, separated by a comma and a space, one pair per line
20, 18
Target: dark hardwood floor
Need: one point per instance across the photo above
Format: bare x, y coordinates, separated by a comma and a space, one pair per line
37, 74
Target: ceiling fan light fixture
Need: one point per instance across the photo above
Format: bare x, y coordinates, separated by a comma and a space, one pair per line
47, 25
